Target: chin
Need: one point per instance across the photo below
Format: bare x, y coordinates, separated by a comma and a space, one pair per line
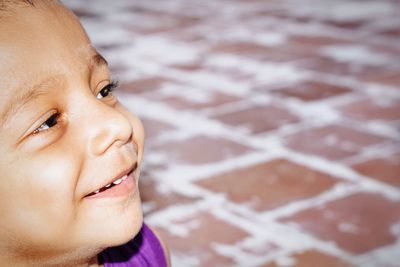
125, 227
119, 226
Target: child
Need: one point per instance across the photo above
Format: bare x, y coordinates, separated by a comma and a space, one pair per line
70, 152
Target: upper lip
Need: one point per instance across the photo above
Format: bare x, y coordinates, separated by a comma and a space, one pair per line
127, 171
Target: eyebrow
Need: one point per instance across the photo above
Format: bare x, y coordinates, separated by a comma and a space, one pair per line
18, 101
96, 60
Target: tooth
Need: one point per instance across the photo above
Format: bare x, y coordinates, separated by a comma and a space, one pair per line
97, 191
118, 181
107, 186
124, 178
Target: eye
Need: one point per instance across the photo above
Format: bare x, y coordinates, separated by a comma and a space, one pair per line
49, 123
107, 90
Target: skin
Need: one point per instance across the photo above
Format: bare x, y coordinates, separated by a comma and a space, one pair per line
47, 170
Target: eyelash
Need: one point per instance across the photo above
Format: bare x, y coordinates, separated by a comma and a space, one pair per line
54, 119
50, 122
109, 88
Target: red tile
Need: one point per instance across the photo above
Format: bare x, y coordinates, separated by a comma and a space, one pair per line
144, 84
389, 77
373, 109
333, 142
358, 223
352, 24
192, 37
196, 243
391, 32
384, 169
331, 66
313, 258
309, 46
240, 48
259, 119
269, 185
192, 66
267, 12
325, 65
201, 150
316, 41
154, 128
311, 90
280, 56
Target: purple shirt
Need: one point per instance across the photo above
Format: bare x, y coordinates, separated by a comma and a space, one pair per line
144, 250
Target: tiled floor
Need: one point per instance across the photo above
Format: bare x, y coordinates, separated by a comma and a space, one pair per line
272, 125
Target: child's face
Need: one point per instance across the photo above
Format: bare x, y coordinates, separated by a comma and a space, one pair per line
68, 138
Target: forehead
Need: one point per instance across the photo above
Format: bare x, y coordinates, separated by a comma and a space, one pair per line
40, 41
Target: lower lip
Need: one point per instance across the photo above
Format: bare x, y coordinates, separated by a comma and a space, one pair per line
124, 188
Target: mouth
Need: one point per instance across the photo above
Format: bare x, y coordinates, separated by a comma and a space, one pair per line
124, 183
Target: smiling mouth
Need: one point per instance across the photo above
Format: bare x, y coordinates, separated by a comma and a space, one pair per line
115, 183
109, 186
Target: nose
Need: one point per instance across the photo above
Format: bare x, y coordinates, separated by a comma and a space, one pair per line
107, 128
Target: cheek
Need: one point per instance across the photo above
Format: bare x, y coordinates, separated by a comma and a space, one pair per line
52, 182
42, 192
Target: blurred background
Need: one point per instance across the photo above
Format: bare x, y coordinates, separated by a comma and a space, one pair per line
272, 125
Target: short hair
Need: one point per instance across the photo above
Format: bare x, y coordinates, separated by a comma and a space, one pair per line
4, 4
